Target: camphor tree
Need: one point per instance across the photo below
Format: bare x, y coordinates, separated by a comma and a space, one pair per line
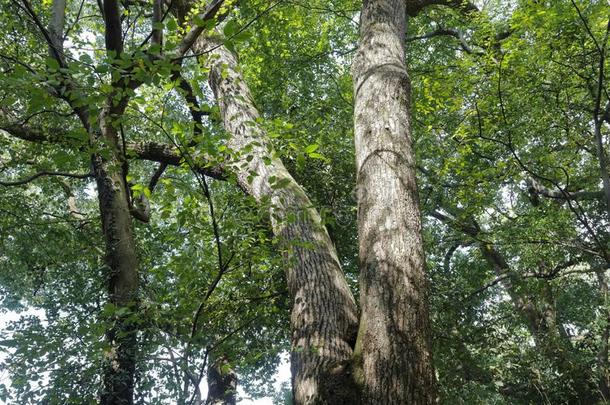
248, 165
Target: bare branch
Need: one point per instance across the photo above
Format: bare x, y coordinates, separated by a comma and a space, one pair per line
556, 273
76, 20
451, 32
44, 173
163, 153
535, 187
464, 6
152, 151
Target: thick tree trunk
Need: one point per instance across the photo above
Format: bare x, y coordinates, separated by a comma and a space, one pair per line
394, 349
122, 264
324, 314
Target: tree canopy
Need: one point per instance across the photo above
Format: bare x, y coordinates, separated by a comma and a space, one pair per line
110, 108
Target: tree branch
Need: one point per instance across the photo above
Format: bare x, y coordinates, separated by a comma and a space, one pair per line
189, 39
464, 6
535, 187
55, 53
451, 32
44, 173
191, 101
56, 26
29, 134
113, 32
157, 33
156, 176
151, 151
163, 153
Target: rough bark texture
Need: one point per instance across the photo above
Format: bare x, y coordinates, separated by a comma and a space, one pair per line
222, 383
122, 264
394, 350
324, 313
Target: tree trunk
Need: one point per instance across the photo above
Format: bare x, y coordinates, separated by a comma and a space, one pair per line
122, 264
541, 318
222, 383
393, 353
121, 259
602, 352
603, 163
324, 313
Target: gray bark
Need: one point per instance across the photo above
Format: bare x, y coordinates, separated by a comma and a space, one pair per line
110, 170
56, 26
324, 313
393, 353
113, 196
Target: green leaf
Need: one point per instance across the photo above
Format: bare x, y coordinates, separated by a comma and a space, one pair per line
311, 148
52, 64
171, 24
230, 28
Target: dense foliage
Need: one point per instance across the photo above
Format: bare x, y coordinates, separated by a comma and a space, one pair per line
508, 104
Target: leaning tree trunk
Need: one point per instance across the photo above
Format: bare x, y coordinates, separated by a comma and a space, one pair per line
324, 314
393, 353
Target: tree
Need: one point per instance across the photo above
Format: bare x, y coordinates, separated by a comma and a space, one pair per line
394, 348
324, 314
248, 167
508, 185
